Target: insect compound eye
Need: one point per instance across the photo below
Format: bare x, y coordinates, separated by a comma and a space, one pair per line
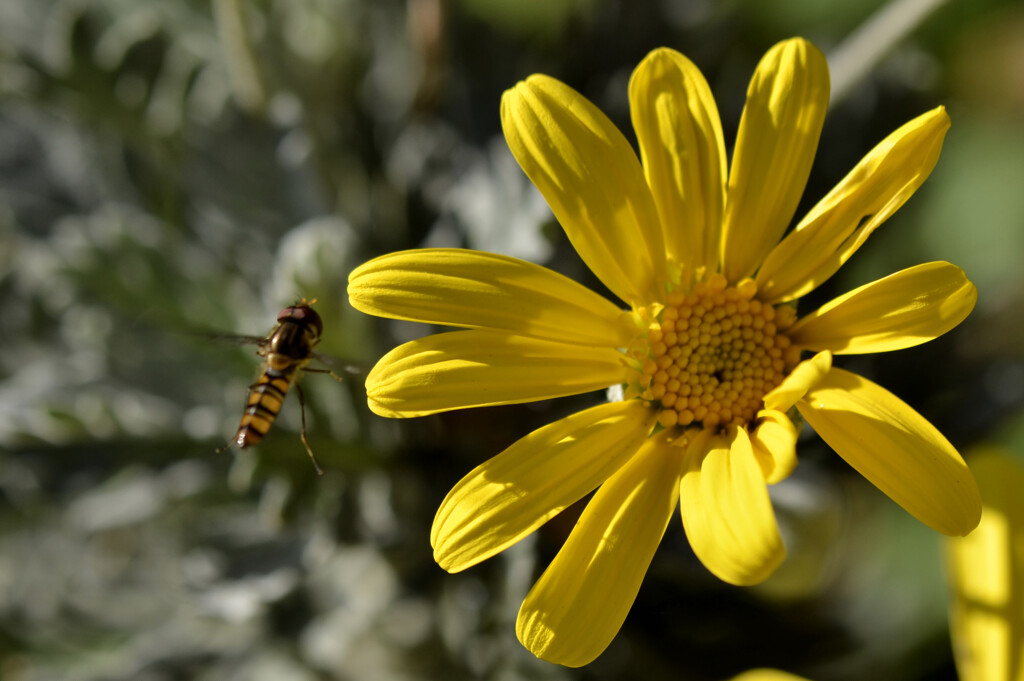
303, 314
311, 318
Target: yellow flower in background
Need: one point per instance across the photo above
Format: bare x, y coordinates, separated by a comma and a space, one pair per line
767, 675
986, 575
706, 358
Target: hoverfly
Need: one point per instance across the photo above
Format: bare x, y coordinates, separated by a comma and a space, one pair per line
286, 351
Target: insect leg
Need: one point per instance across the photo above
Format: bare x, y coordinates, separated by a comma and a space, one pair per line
330, 373
302, 433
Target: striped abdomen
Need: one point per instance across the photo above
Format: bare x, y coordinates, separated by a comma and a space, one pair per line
265, 399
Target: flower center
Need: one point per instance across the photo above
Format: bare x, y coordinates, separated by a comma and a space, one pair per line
713, 354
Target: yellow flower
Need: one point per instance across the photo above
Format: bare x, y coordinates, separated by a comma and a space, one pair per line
767, 675
707, 355
986, 573
986, 576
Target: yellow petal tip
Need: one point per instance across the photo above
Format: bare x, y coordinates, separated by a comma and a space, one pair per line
802, 379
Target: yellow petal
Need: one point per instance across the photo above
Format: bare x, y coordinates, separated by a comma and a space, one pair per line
593, 182
843, 220
514, 493
806, 375
767, 675
484, 290
727, 514
774, 443
482, 368
895, 448
578, 605
683, 154
986, 573
775, 146
902, 310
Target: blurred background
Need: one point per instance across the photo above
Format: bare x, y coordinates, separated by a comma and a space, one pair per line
174, 170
